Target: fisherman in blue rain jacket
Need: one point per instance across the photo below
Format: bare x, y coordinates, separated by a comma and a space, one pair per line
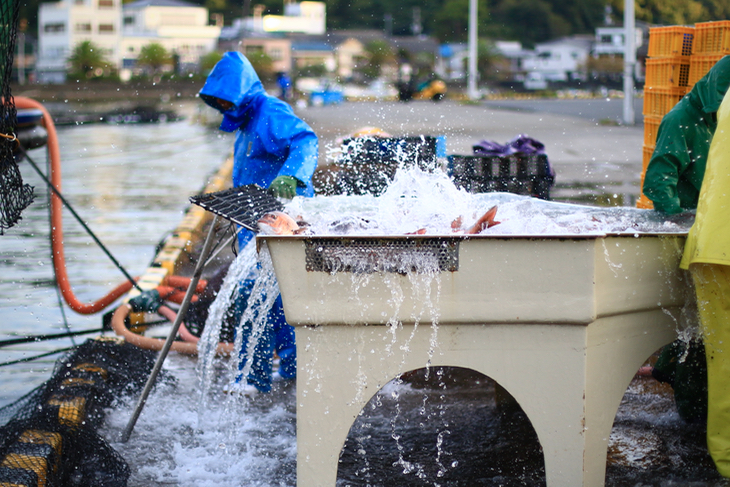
274, 149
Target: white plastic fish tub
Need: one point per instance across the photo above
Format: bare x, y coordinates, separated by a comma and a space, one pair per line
562, 323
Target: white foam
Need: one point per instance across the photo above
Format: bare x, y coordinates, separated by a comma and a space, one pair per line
430, 200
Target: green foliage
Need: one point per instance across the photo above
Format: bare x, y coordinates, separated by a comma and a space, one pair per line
208, 61
674, 12
154, 56
379, 54
311, 71
452, 19
491, 65
263, 65
87, 62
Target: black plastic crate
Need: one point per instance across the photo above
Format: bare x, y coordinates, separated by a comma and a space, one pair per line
525, 174
368, 164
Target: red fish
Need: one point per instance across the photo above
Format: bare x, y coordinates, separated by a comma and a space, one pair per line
278, 223
486, 221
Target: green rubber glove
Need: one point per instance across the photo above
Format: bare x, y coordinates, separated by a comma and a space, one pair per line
284, 187
149, 301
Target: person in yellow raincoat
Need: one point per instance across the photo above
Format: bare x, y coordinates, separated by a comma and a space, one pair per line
707, 256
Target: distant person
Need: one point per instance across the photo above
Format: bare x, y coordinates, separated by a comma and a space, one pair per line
674, 175
274, 149
285, 87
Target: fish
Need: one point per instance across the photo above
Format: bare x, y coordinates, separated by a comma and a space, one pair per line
485, 221
279, 223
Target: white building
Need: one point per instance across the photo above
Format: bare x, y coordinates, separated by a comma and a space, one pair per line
63, 25
299, 18
182, 28
559, 60
611, 40
121, 31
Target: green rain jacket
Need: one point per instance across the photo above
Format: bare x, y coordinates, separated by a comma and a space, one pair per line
677, 166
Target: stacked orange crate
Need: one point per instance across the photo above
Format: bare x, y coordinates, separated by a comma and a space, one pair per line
667, 80
712, 42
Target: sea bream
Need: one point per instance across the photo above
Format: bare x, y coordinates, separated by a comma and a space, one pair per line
279, 223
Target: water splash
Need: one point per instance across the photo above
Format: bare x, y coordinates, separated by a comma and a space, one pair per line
429, 200
263, 294
205, 369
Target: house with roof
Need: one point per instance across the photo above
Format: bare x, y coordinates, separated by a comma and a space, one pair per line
562, 59
182, 28
64, 24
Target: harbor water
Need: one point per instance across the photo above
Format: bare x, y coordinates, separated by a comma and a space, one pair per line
131, 184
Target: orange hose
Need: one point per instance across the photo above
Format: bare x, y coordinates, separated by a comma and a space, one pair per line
183, 331
183, 283
149, 343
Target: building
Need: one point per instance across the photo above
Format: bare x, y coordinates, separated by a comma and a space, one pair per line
610, 40
65, 24
559, 60
182, 28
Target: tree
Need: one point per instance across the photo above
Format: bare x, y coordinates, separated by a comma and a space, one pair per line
492, 66
154, 56
262, 64
452, 19
379, 53
208, 61
87, 61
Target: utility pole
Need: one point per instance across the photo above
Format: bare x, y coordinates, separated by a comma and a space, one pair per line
416, 24
472, 77
629, 61
388, 20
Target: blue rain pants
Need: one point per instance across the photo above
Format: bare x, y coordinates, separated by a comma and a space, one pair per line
277, 336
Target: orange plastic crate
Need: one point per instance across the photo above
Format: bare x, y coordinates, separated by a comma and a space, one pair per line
651, 127
712, 38
647, 151
670, 41
699, 65
658, 101
667, 72
643, 201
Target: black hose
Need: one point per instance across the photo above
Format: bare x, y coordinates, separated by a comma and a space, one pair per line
35, 357
42, 338
78, 218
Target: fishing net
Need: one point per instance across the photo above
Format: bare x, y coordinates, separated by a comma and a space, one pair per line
14, 195
49, 438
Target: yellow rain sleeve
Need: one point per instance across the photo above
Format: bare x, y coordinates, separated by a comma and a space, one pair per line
707, 255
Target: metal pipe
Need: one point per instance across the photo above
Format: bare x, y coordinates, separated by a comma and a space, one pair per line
472, 88
629, 61
173, 332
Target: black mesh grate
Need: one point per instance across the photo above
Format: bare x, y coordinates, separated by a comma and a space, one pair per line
243, 205
369, 255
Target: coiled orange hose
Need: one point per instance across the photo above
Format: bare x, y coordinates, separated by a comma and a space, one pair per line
59, 259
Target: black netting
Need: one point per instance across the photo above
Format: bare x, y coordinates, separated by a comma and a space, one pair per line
49, 436
14, 195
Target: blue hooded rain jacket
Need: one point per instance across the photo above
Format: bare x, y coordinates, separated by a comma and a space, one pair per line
271, 140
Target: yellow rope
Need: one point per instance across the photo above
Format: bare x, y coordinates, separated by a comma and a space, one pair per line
11, 137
